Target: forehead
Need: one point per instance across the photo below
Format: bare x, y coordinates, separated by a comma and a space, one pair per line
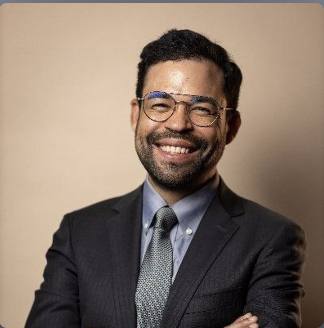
197, 77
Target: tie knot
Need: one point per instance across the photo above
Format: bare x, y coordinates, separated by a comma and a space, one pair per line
165, 219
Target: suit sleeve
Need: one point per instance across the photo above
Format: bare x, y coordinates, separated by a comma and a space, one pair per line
57, 301
275, 289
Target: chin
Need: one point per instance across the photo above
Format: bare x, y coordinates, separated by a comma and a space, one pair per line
177, 179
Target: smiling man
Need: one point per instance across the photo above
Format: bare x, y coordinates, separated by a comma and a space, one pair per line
182, 250
185, 135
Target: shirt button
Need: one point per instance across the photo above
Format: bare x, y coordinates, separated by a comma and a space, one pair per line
188, 231
146, 225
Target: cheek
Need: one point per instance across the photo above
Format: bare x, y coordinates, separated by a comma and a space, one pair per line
146, 126
221, 128
213, 137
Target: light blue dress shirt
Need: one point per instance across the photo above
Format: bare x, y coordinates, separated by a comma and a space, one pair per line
189, 211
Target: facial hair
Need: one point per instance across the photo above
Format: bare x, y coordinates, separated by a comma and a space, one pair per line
174, 175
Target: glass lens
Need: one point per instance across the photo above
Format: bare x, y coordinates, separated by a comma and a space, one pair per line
203, 112
158, 106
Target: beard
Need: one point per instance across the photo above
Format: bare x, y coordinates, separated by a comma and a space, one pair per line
174, 175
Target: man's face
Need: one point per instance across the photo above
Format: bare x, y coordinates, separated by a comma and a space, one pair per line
200, 147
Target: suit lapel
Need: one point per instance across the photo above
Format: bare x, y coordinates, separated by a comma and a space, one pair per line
124, 236
214, 232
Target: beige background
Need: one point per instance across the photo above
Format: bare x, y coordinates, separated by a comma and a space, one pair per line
67, 74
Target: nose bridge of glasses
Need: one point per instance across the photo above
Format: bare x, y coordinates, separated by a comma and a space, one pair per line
183, 114
179, 118
186, 104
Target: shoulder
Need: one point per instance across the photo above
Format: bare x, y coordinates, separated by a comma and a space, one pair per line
257, 221
259, 212
245, 211
263, 216
269, 227
105, 208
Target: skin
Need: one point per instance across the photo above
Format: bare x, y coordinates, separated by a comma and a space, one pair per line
175, 176
246, 321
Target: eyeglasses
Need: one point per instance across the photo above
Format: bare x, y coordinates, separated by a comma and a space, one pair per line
202, 111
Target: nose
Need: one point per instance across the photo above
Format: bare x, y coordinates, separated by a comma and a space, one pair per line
179, 121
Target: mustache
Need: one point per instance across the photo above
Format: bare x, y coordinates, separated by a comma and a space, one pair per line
154, 137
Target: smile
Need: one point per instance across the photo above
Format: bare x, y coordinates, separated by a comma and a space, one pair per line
175, 150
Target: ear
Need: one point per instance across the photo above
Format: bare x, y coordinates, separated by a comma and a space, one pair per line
233, 125
134, 113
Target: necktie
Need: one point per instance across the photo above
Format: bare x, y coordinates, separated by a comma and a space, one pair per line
155, 277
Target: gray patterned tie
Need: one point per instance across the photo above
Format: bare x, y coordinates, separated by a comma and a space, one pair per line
155, 277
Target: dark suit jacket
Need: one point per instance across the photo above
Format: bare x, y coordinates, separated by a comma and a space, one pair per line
242, 258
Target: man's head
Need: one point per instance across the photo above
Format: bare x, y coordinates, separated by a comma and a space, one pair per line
178, 45
178, 153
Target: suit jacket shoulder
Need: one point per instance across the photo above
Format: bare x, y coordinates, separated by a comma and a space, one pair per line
245, 212
105, 208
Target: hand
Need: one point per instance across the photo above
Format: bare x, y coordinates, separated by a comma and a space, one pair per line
246, 321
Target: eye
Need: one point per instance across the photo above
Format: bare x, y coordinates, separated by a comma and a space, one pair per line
203, 110
160, 105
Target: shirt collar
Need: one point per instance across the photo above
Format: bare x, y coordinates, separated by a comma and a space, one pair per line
189, 210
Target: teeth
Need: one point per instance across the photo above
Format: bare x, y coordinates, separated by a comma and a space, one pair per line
175, 150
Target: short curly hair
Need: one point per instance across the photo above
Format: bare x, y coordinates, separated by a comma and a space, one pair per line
179, 45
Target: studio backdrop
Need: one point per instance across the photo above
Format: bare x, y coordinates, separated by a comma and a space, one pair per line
67, 75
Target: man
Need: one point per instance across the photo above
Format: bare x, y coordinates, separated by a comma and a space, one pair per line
182, 250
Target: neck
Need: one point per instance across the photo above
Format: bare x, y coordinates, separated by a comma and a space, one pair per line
171, 196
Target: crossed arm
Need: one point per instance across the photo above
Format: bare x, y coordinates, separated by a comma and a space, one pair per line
273, 295
275, 289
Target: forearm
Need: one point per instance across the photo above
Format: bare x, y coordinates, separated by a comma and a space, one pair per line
275, 290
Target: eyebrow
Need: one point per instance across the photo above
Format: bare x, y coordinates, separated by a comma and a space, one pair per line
158, 94
195, 98
209, 100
